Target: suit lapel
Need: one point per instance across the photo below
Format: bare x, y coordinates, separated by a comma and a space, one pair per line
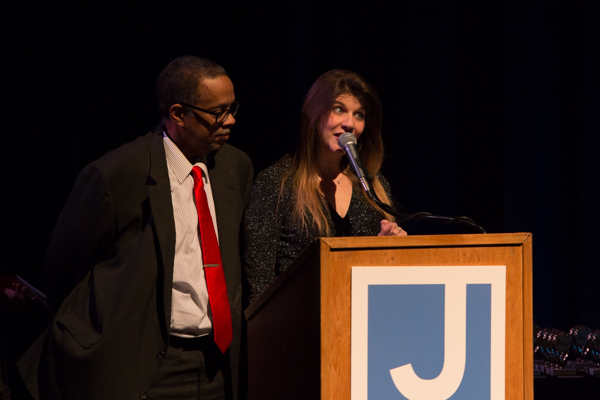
159, 194
219, 172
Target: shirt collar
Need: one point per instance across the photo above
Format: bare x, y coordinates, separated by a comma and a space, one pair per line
179, 164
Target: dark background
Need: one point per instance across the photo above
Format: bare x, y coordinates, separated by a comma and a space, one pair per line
490, 111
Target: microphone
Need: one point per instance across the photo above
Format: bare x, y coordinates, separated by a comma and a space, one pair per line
347, 142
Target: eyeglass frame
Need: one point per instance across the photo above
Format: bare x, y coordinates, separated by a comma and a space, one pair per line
224, 114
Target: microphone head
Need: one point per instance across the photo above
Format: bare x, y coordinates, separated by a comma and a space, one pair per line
345, 139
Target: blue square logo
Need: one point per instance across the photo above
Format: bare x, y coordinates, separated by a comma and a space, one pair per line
406, 326
428, 333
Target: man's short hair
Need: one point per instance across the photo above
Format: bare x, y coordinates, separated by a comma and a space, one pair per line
180, 79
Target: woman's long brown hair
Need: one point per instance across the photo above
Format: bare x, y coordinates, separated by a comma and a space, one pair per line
316, 108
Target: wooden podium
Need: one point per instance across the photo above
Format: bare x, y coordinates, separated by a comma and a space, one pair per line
299, 329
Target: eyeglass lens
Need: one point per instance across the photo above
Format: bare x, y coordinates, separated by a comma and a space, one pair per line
233, 109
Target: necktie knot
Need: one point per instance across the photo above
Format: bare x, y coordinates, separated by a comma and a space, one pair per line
197, 175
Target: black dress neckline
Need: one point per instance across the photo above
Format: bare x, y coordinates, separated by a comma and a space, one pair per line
341, 226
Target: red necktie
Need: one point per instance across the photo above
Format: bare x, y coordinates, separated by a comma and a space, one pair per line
213, 267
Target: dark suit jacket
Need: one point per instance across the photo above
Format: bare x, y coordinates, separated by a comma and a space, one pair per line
109, 271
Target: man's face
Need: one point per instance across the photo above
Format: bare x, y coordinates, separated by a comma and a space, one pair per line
199, 133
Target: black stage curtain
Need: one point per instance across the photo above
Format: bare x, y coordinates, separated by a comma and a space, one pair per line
490, 109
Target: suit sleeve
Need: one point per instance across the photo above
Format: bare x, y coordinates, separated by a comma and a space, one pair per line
81, 236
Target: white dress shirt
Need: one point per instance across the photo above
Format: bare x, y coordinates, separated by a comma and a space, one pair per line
190, 311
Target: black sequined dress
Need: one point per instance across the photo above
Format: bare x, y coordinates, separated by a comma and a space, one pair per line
273, 240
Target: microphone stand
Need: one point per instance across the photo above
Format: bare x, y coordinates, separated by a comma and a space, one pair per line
422, 215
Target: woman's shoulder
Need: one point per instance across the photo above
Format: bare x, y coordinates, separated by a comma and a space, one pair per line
275, 172
267, 187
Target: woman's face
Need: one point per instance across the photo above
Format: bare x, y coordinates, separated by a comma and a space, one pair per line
346, 115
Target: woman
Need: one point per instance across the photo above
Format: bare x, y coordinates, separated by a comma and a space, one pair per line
312, 192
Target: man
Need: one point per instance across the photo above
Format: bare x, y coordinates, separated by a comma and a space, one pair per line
126, 269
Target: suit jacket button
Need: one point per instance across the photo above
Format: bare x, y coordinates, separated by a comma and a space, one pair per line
161, 355
143, 395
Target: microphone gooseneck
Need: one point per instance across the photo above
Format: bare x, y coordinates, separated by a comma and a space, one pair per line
347, 142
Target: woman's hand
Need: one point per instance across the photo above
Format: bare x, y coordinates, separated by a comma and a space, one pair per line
391, 229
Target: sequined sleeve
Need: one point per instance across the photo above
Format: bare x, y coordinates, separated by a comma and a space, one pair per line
262, 230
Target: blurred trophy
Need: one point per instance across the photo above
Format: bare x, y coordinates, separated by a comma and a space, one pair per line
593, 350
538, 356
579, 347
555, 346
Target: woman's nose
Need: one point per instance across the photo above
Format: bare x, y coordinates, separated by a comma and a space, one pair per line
348, 123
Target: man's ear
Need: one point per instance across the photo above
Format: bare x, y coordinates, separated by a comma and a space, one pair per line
177, 115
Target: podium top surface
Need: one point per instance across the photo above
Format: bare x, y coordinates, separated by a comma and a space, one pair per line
478, 239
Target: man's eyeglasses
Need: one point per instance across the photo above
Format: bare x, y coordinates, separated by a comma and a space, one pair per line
220, 116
